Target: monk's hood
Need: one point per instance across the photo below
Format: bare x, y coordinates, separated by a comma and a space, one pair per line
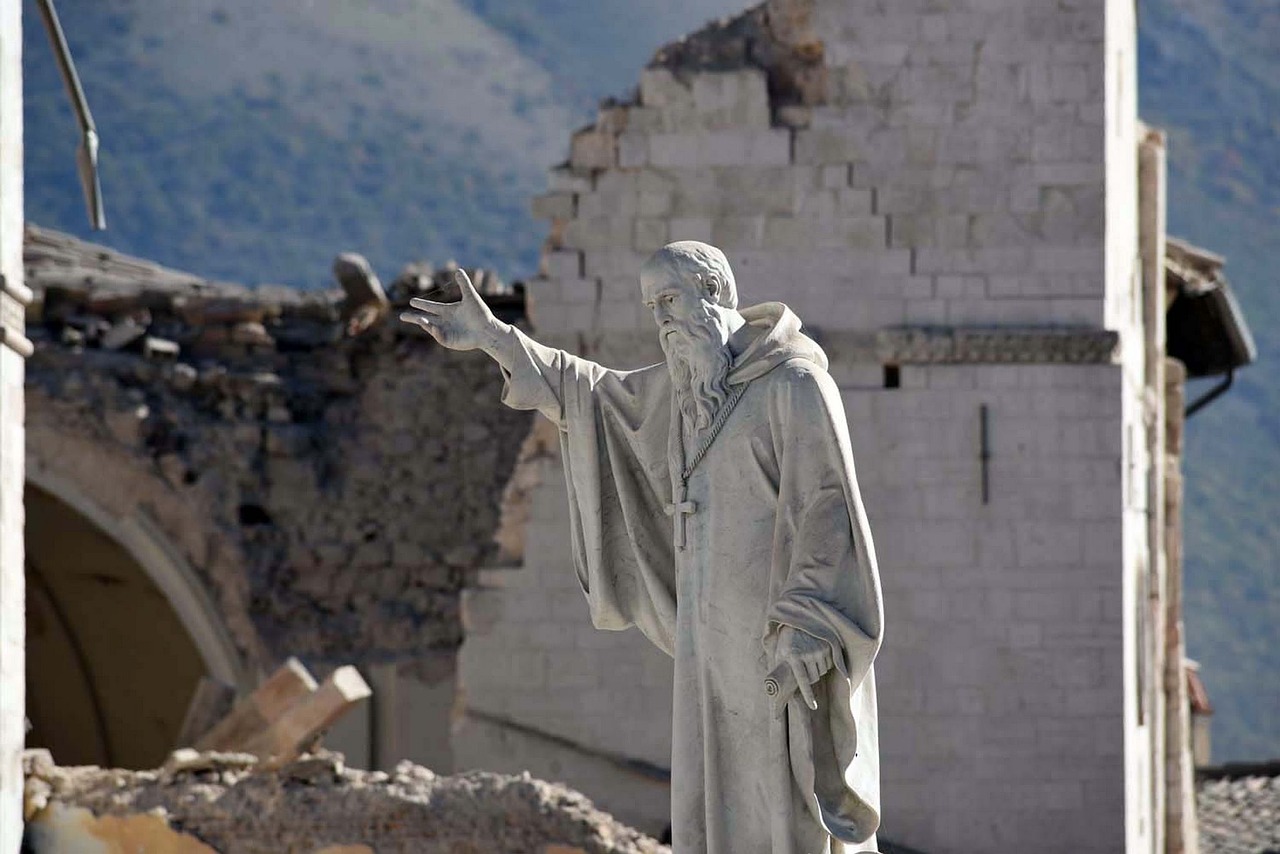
779, 340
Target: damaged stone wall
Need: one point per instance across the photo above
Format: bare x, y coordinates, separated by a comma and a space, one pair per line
906, 177
211, 803
330, 474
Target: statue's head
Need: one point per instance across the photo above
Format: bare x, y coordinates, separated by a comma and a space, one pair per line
689, 287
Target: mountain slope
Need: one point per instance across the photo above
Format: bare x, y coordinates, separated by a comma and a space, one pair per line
252, 141
1210, 74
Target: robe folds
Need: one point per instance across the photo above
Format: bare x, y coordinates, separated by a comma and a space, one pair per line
779, 537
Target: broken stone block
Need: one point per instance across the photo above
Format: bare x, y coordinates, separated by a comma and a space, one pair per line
122, 334
183, 377
592, 149
366, 302
321, 766
159, 348
252, 334
187, 760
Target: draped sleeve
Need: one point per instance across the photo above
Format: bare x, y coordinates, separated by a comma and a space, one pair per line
830, 588
614, 427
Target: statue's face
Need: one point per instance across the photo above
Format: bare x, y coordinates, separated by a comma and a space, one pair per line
693, 333
675, 302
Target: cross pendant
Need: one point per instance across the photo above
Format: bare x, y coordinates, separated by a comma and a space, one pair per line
682, 508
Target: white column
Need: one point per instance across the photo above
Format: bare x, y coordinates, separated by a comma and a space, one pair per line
13, 348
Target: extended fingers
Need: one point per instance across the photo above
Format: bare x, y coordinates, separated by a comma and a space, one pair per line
429, 306
427, 323
804, 684
463, 281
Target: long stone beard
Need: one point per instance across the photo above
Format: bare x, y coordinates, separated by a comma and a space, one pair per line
699, 361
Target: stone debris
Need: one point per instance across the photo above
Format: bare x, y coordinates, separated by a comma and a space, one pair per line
366, 303
317, 480
225, 803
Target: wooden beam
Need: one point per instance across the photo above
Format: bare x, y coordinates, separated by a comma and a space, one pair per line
254, 714
292, 732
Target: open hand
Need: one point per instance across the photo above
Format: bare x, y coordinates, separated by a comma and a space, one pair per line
810, 658
464, 325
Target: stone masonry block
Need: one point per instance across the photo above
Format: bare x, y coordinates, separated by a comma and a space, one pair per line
761, 190
564, 180
975, 261
748, 148
651, 233
738, 232
591, 149
822, 146
653, 203
620, 202
856, 202
788, 233
620, 312
1082, 173
553, 206
660, 88
859, 232
599, 232
633, 149
961, 287
674, 150
562, 264
645, 119
612, 119
835, 177
1069, 82
614, 263
721, 148
1053, 259
732, 99
817, 204
691, 228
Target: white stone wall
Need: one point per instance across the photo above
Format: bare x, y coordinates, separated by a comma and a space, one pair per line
963, 164
1001, 677
532, 659
12, 593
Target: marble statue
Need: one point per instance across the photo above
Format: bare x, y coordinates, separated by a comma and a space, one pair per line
714, 507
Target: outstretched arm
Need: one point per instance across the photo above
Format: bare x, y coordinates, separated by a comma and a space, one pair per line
465, 325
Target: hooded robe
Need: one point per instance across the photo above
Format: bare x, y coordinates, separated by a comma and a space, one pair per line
778, 536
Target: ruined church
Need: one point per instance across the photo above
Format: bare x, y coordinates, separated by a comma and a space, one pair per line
959, 201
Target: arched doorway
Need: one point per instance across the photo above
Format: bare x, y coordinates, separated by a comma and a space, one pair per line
111, 664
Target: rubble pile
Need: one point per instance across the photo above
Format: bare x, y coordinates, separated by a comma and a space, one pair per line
330, 472
219, 802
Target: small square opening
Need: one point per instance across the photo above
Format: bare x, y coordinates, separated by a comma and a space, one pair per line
892, 376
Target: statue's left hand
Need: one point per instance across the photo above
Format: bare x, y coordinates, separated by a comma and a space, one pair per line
809, 657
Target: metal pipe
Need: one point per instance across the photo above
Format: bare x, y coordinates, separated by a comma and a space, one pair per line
87, 154
1212, 394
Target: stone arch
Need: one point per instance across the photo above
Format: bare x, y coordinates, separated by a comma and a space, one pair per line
120, 630
165, 567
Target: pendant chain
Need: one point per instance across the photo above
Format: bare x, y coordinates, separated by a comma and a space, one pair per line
714, 430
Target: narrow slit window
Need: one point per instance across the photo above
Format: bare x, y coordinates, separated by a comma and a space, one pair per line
892, 376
